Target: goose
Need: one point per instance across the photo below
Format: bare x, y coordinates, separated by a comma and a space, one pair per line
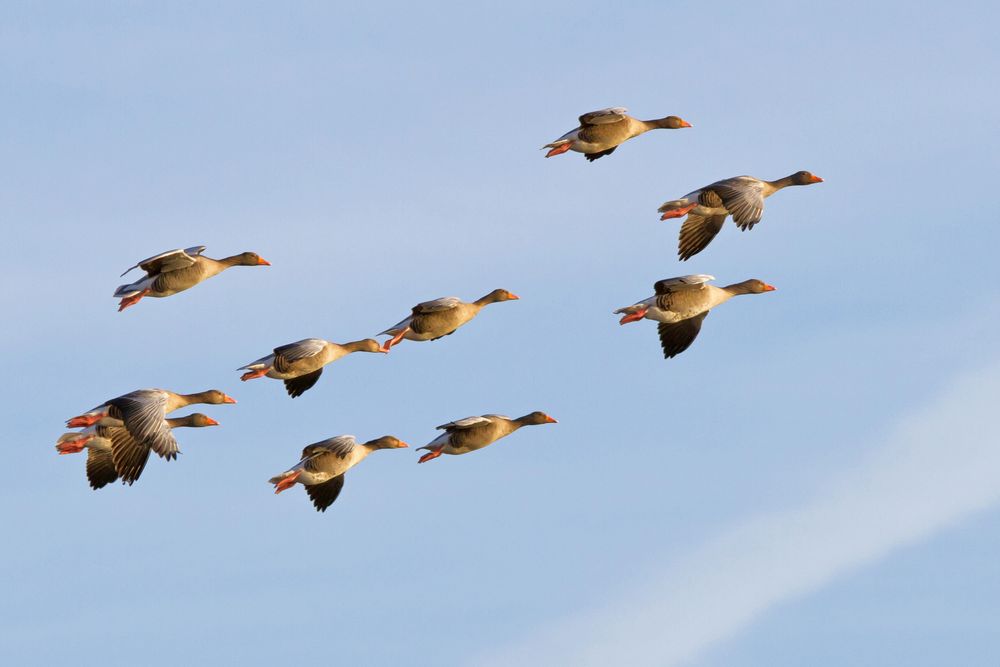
681, 304
467, 435
323, 464
99, 440
435, 319
143, 414
601, 132
301, 363
177, 270
706, 209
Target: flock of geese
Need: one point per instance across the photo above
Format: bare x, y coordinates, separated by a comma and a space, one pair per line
120, 433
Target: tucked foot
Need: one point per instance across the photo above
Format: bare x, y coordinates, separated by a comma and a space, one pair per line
286, 483
131, 300
72, 446
259, 373
634, 317
430, 456
678, 212
82, 421
559, 150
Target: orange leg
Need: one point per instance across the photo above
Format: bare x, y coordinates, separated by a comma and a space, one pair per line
387, 345
634, 317
430, 456
286, 483
559, 150
259, 373
131, 300
84, 420
72, 446
678, 212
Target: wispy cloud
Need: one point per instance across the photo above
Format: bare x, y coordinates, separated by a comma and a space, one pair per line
938, 465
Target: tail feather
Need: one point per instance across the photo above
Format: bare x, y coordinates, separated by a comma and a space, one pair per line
278, 478
125, 291
672, 204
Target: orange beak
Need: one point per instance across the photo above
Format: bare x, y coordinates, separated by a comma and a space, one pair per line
263, 262
816, 179
210, 422
401, 445
513, 296
550, 420
228, 399
769, 288
684, 123
633, 317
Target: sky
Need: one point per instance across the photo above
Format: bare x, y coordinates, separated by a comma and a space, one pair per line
812, 482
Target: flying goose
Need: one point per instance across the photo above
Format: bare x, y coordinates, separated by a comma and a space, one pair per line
431, 320
601, 132
681, 304
301, 363
706, 209
467, 435
323, 464
177, 270
99, 440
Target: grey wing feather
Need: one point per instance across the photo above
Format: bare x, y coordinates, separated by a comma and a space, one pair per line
743, 197
144, 415
603, 116
340, 446
696, 233
694, 281
100, 468
467, 422
169, 261
128, 456
303, 349
444, 303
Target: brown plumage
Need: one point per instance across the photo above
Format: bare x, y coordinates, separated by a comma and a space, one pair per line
323, 464
435, 319
108, 440
707, 208
301, 363
680, 305
178, 270
467, 435
601, 132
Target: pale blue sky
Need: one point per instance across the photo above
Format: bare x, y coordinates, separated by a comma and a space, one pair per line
384, 154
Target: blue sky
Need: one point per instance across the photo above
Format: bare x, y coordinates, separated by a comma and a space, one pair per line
385, 154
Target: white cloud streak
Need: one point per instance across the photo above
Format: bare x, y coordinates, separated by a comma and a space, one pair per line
937, 466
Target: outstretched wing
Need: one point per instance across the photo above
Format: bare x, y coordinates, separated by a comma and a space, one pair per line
128, 456
603, 116
743, 197
671, 285
100, 468
696, 233
677, 337
169, 261
324, 494
303, 383
144, 415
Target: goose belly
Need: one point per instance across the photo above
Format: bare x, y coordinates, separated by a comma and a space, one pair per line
413, 335
667, 316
